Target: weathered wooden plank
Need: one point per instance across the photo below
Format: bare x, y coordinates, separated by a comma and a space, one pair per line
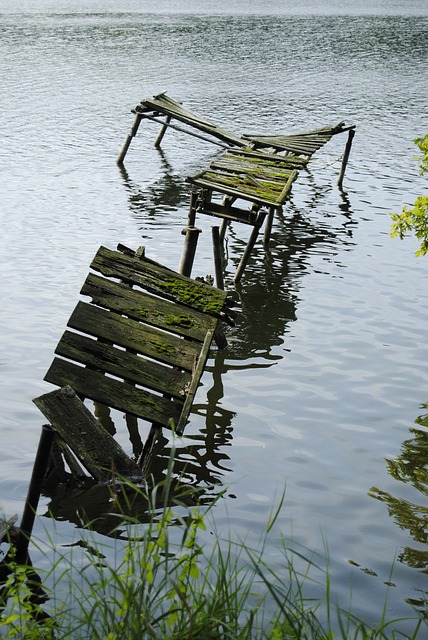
306, 144
260, 169
160, 281
238, 187
194, 385
114, 393
146, 308
290, 161
97, 450
169, 107
122, 364
129, 334
235, 214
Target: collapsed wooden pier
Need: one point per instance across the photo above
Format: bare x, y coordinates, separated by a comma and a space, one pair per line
140, 345
256, 169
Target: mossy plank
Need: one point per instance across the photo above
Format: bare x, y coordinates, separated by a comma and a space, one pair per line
255, 166
97, 450
165, 105
235, 185
145, 308
148, 341
127, 366
290, 160
160, 281
114, 393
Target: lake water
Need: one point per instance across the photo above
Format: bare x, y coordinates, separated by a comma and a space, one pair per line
328, 365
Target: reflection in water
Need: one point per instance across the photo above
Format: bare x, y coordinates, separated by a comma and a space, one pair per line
169, 191
411, 468
269, 294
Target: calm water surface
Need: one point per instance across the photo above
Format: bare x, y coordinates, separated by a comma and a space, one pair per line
327, 366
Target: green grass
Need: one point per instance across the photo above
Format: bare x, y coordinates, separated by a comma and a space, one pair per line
161, 580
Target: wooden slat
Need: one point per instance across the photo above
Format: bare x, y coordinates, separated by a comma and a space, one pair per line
146, 308
290, 161
97, 450
114, 393
160, 281
261, 169
165, 105
239, 188
124, 365
194, 385
129, 334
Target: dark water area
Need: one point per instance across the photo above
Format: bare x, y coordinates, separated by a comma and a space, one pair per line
326, 370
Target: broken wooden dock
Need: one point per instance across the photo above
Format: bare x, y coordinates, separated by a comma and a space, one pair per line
258, 169
140, 347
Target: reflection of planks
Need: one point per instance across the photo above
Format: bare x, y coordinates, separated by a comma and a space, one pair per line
143, 342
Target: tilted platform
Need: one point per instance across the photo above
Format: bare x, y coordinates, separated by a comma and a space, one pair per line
142, 343
165, 110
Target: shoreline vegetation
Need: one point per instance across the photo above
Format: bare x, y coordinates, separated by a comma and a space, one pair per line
163, 581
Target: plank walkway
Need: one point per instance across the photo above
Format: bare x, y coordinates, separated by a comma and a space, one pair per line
257, 169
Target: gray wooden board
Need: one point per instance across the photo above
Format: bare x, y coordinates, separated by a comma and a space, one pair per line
114, 393
160, 281
97, 450
122, 364
130, 334
147, 308
163, 104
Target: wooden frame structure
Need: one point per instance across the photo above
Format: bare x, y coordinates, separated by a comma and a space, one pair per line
143, 341
258, 169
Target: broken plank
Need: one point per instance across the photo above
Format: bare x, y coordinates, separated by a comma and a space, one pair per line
98, 452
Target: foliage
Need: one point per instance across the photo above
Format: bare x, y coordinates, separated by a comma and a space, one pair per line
411, 468
415, 218
163, 581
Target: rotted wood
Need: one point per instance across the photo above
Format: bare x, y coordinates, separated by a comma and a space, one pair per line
96, 449
142, 341
161, 281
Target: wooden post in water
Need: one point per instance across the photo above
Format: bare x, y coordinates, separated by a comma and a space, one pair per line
162, 131
268, 227
218, 260
132, 134
246, 255
34, 490
346, 153
189, 250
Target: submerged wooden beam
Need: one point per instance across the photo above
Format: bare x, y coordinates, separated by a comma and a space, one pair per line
96, 449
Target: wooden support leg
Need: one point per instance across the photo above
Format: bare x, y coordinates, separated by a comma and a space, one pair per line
192, 209
34, 490
223, 228
218, 260
162, 131
188, 255
268, 227
145, 456
132, 134
345, 157
247, 253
